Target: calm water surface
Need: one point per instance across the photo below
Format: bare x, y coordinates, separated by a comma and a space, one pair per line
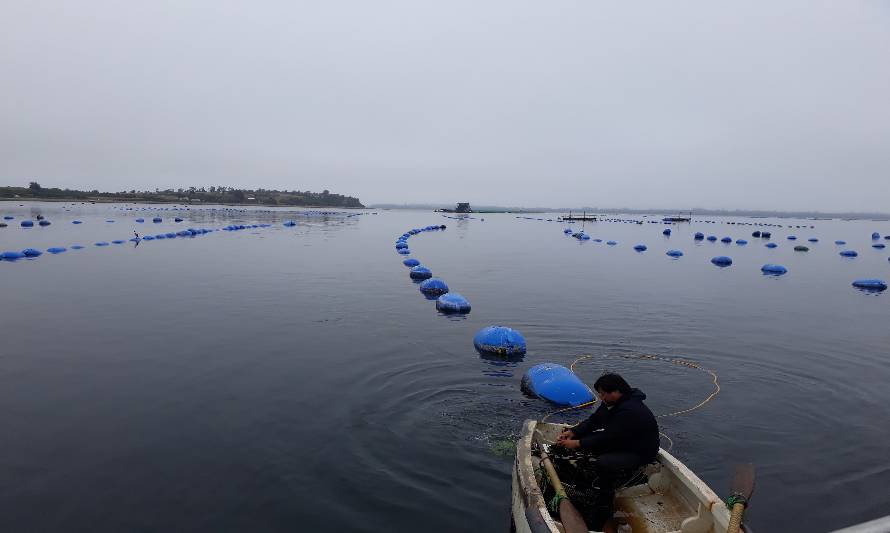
295, 379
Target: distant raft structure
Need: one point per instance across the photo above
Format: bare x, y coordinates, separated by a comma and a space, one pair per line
452, 302
773, 270
500, 341
556, 383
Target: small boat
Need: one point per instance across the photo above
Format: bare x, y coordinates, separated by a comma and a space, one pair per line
665, 497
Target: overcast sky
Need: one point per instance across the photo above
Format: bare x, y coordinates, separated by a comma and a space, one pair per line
766, 104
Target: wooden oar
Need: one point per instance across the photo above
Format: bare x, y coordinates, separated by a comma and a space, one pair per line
740, 495
571, 519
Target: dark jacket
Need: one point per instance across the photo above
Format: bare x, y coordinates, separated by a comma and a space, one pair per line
627, 426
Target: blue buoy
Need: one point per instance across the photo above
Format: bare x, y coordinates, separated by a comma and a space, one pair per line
674, 253
722, 261
101, 243
556, 384
31, 252
872, 284
55, 250
434, 287
849, 253
567, 231
76, 247
584, 237
117, 241
741, 242
148, 238
726, 239
792, 238
699, 236
177, 219
289, 223
44, 222
756, 234
611, 243
813, 239
667, 231
410, 262
499, 340
712, 238
773, 270
879, 246
640, 248
771, 245
139, 220
452, 303
403, 251
420, 272
11, 256
875, 236
27, 223
8, 217
766, 234
401, 245
76, 222
156, 219
840, 242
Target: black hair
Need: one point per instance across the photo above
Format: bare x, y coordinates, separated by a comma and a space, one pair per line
611, 383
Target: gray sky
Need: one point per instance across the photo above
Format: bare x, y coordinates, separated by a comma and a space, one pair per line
772, 105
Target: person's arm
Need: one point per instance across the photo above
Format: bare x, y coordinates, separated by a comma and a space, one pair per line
594, 422
619, 430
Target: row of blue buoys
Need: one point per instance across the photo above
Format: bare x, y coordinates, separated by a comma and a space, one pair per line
190, 232
769, 269
432, 288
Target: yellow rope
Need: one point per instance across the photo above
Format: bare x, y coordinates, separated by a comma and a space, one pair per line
681, 362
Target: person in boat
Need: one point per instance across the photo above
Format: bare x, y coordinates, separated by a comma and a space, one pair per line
622, 434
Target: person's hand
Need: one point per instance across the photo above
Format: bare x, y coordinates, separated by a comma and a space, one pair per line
570, 444
566, 434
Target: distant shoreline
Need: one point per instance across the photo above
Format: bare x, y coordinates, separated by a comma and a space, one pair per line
168, 202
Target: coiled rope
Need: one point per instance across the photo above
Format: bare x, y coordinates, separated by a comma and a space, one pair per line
675, 361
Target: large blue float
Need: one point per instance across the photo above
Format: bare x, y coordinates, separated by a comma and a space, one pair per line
557, 384
773, 270
499, 340
434, 287
452, 303
410, 262
871, 284
420, 272
722, 261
